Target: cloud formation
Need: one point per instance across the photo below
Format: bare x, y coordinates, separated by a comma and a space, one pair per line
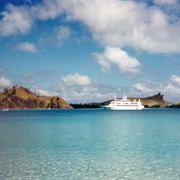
118, 57
82, 88
28, 47
175, 79
16, 20
169, 6
127, 23
76, 79
4, 82
44, 92
47, 10
118, 24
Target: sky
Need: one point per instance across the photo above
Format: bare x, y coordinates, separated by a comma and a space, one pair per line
91, 50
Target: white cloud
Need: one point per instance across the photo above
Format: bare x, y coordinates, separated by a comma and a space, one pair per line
81, 88
127, 23
93, 92
43, 92
112, 23
175, 79
47, 10
16, 20
143, 88
28, 47
76, 79
20, 19
170, 7
4, 82
118, 57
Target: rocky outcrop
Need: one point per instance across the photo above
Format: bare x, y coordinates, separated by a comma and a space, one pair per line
23, 98
156, 100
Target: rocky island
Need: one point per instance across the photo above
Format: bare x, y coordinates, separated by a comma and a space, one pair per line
23, 98
154, 101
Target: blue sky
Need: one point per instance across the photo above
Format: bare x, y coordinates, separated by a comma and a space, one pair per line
89, 51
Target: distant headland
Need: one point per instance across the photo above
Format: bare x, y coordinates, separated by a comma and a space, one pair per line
22, 98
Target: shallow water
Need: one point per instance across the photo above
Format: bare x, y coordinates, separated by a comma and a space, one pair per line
90, 144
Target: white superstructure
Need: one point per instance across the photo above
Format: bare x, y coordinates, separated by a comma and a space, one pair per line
124, 104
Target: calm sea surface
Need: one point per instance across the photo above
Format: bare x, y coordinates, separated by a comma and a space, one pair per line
90, 144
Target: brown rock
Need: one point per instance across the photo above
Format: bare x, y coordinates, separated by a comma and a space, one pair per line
23, 98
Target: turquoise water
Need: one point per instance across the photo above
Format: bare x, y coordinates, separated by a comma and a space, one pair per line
90, 144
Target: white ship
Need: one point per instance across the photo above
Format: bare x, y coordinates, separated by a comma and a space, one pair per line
124, 104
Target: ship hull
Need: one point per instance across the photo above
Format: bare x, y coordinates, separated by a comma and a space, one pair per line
123, 107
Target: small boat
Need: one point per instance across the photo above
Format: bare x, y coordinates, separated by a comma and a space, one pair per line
5, 109
124, 104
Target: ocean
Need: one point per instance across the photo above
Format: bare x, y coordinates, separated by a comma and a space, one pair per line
91, 144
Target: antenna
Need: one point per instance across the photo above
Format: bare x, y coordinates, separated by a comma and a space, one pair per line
124, 94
